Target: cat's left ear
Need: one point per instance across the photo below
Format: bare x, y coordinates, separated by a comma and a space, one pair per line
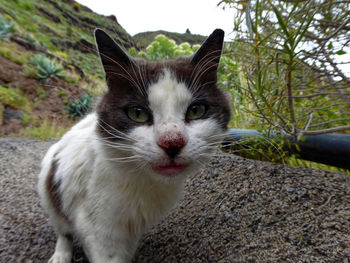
208, 55
111, 54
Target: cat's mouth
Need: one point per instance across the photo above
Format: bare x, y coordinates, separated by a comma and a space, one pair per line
170, 169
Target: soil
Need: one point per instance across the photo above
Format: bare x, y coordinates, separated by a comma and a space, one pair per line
52, 107
234, 210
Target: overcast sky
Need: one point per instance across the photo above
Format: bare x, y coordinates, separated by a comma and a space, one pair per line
200, 16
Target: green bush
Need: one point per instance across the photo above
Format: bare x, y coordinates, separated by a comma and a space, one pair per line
80, 107
26, 5
7, 28
44, 130
1, 113
46, 68
10, 52
11, 97
163, 48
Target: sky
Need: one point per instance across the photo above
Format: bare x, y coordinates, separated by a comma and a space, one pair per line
199, 16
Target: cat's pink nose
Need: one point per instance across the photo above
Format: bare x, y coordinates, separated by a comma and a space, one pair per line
172, 143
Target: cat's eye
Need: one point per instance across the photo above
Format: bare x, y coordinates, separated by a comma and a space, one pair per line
137, 114
195, 111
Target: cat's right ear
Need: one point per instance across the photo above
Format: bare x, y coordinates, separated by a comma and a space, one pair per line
210, 51
113, 57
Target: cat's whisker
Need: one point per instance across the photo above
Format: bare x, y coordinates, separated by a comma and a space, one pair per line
200, 163
123, 68
202, 61
124, 159
122, 134
110, 139
142, 85
245, 143
129, 78
112, 134
202, 64
195, 86
118, 147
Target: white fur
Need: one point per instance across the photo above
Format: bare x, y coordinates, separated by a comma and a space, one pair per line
108, 202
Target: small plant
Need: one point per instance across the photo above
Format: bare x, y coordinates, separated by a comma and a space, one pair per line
26, 5
14, 55
80, 107
46, 68
63, 95
41, 93
7, 28
1, 113
71, 77
61, 54
77, 7
25, 118
94, 85
44, 131
14, 99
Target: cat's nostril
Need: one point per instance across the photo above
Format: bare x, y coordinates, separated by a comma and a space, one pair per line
172, 151
173, 146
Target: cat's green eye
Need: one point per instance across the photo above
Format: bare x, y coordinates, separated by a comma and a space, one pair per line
195, 112
137, 114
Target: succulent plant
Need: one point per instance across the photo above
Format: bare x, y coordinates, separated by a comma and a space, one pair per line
81, 106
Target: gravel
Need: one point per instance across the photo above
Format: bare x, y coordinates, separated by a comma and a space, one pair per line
235, 210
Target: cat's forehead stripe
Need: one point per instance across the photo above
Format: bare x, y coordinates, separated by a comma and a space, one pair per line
168, 95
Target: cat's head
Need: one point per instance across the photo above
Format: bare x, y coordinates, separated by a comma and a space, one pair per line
162, 118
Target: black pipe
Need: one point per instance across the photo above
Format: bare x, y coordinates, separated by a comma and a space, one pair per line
331, 149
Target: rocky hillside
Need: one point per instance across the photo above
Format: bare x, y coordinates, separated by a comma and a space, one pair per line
49, 67
61, 27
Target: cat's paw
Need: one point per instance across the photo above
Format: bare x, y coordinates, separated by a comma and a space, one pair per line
60, 257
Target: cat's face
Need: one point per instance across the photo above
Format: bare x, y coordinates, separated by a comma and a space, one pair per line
162, 118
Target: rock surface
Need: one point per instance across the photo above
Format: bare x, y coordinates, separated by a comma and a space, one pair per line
235, 210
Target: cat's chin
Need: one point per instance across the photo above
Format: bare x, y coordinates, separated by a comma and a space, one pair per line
170, 170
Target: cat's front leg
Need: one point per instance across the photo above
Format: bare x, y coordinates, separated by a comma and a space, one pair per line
105, 242
106, 250
63, 250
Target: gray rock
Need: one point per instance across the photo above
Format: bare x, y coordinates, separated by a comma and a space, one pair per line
10, 113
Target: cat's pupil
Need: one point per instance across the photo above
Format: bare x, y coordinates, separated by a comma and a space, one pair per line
138, 112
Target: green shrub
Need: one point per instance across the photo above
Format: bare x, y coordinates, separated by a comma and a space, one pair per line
44, 131
41, 93
163, 48
80, 107
7, 28
46, 68
26, 5
25, 118
7, 50
1, 113
11, 97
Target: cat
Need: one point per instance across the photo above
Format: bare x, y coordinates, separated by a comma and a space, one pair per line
120, 170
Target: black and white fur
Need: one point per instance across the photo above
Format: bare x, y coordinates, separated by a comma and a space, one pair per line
110, 178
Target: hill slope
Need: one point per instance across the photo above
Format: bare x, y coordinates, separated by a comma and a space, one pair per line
62, 26
62, 33
145, 38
